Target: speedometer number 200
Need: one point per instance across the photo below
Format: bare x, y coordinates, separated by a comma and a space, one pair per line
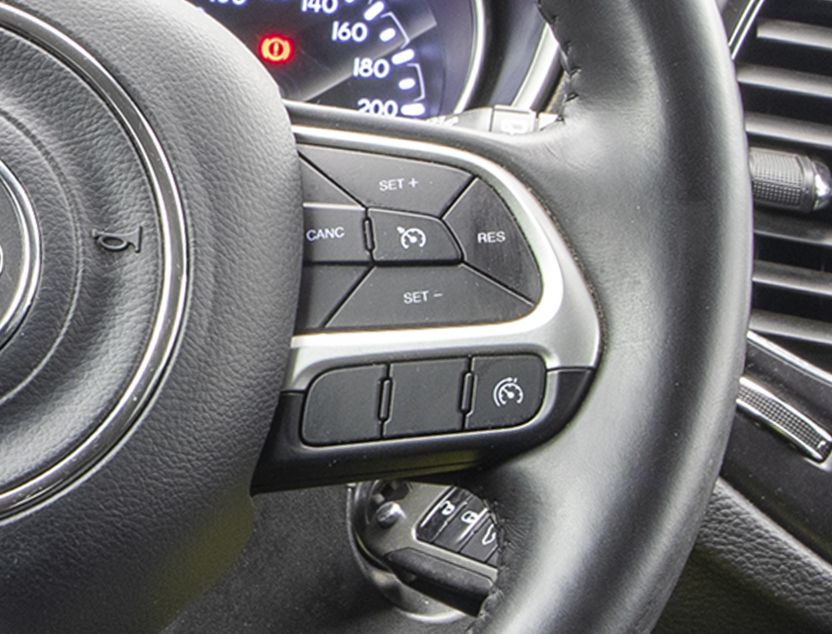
380, 107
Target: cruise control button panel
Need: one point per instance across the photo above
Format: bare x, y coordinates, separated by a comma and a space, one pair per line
444, 248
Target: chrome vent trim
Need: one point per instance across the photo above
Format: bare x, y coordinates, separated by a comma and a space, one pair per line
782, 418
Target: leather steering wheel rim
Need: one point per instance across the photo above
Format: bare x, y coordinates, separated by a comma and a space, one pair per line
655, 125
647, 178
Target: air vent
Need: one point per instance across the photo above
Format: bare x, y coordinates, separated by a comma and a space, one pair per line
785, 73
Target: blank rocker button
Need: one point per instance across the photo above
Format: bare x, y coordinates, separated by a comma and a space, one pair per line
334, 235
427, 296
411, 238
342, 407
393, 183
426, 398
508, 391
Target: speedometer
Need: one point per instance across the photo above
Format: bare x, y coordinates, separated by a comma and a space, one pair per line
411, 58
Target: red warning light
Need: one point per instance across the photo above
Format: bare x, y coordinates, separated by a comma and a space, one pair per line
277, 49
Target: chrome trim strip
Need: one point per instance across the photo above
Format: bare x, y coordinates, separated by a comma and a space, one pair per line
773, 405
174, 246
743, 26
477, 62
30, 255
563, 329
786, 356
543, 71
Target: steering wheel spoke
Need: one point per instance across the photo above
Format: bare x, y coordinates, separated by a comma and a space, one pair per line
443, 322
455, 286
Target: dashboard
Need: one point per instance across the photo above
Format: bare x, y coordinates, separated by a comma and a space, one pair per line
409, 58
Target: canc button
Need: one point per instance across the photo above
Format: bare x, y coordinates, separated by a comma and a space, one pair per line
508, 391
334, 235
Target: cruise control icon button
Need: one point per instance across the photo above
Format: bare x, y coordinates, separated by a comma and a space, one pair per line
508, 391
402, 238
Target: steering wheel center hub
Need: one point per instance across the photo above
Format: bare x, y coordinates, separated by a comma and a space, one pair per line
20, 247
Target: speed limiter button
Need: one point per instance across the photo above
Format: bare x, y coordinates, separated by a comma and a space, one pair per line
508, 391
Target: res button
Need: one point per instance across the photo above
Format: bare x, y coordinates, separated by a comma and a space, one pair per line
492, 241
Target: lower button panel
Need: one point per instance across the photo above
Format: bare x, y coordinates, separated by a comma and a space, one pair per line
427, 398
430, 296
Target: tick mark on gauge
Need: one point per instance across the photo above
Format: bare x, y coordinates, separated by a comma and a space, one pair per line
414, 110
374, 11
403, 57
387, 34
407, 84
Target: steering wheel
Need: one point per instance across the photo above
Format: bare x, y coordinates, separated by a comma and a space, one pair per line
152, 214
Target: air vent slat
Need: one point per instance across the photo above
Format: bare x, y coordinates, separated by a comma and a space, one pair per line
795, 34
789, 132
794, 328
793, 229
785, 81
794, 279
